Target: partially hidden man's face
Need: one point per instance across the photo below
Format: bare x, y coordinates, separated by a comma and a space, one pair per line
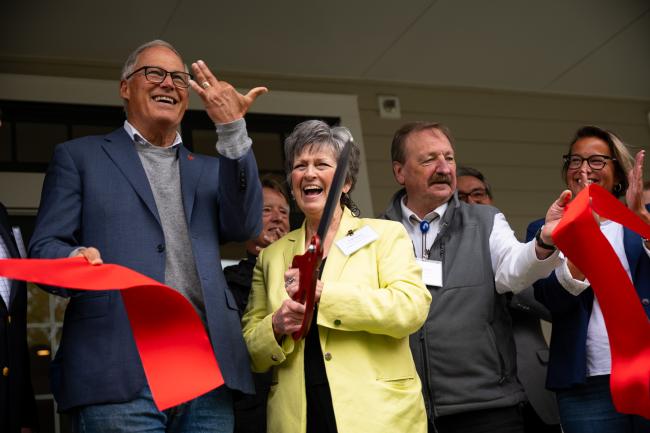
155, 105
471, 190
428, 172
275, 214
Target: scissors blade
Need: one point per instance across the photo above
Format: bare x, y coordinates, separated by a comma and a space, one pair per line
334, 196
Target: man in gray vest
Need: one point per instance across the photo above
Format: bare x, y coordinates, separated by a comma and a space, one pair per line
464, 353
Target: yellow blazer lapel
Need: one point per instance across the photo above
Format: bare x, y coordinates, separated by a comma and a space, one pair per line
336, 260
297, 238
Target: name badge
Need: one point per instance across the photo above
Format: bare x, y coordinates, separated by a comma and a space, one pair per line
431, 272
357, 240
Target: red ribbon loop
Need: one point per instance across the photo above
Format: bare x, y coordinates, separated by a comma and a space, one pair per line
174, 347
579, 237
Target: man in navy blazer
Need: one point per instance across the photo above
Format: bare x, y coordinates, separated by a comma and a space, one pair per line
137, 197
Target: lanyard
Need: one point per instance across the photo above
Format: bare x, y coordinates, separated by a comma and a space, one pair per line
424, 228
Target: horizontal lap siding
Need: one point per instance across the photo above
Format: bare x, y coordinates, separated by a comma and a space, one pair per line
517, 139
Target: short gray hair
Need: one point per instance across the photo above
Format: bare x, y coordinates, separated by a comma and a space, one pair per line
397, 147
318, 135
133, 57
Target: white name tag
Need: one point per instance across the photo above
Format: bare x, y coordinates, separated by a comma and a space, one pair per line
431, 272
357, 240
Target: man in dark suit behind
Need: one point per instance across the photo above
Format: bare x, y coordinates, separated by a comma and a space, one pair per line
540, 410
250, 410
17, 404
137, 197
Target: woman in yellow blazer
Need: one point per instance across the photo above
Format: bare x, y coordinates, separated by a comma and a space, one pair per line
354, 371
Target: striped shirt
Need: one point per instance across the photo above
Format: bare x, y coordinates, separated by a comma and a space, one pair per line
5, 284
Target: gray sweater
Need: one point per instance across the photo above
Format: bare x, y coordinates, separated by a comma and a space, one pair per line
161, 167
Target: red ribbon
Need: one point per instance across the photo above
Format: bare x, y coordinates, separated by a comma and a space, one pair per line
176, 353
579, 237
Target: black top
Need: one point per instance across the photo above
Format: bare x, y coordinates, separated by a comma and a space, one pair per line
239, 279
320, 411
315, 373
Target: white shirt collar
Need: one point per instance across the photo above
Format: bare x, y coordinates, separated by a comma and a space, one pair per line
413, 219
139, 138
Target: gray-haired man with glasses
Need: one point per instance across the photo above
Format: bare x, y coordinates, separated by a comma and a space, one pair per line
157, 75
473, 187
137, 197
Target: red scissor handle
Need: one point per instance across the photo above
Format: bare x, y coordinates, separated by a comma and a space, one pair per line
308, 263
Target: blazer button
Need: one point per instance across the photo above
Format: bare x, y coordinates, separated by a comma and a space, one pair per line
5, 371
645, 301
160, 248
242, 179
9, 318
274, 358
328, 356
337, 322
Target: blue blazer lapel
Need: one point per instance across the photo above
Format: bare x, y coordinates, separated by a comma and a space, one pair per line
633, 249
120, 148
638, 261
190, 168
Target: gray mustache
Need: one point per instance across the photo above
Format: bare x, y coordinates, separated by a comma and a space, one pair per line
440, 179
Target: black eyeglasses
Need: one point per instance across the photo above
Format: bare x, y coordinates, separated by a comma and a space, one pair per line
596, 162
157, 75
476, 194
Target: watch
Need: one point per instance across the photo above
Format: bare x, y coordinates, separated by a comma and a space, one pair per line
541, 243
